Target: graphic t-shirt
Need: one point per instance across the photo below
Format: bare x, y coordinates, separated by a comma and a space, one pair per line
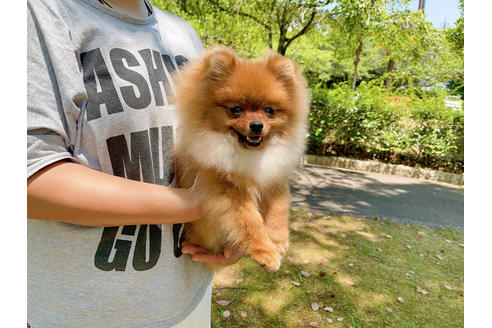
99, 93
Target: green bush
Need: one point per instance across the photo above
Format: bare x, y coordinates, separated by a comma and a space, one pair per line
409, 127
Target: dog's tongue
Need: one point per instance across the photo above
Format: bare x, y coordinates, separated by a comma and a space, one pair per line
253, 138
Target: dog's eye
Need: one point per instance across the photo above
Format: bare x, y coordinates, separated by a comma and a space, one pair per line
269, 111
236, 110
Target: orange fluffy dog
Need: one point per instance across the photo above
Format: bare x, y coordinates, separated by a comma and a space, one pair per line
242, 131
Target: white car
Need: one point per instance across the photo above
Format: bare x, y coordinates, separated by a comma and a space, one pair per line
454, 102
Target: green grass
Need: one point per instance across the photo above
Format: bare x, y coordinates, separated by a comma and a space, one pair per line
324, 245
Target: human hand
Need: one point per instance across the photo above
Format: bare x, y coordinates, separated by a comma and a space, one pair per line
229, 256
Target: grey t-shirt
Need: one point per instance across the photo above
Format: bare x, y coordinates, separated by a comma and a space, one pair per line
99, 90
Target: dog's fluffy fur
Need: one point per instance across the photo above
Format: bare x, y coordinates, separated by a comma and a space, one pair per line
243, 173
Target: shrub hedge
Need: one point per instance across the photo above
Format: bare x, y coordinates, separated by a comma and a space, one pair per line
410, 127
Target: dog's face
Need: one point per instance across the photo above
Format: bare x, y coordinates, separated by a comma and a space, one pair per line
253, 101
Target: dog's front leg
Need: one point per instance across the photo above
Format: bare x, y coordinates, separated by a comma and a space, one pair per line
253, 237
275, 211
245, 227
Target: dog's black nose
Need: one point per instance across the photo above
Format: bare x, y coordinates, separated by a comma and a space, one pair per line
256, 126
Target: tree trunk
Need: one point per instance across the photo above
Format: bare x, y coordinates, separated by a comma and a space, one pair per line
356, 63
282, 43
389, 70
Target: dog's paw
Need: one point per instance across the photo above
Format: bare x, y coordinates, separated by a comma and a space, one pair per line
268, 259
282, 248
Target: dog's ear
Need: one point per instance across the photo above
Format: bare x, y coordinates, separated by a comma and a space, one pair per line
282, 67
220, 62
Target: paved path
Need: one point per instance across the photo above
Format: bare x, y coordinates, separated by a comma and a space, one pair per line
408, 200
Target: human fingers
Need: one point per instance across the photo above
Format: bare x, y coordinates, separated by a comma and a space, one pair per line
229, 257
192, 249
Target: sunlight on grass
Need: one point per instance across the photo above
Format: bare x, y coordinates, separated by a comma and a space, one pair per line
272, 302
226, 277
368, 236
309, 252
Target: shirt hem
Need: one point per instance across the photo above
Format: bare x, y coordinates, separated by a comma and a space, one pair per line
168, 323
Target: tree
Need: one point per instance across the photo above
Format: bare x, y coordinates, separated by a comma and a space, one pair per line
456, 38
216, 27
288, 19
456, 34
352, 21
404, 35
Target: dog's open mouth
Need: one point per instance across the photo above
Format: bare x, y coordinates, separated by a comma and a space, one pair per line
252, 141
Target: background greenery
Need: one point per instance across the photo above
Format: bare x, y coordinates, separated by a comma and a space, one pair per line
378, 70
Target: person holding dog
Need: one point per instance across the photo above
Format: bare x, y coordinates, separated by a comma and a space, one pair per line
104, 222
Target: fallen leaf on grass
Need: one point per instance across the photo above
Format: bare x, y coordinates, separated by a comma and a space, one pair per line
315, 306
223, 303
385, 235
348, 282
226, 314
328, 308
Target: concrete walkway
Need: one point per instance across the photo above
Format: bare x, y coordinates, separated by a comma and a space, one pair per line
413, 201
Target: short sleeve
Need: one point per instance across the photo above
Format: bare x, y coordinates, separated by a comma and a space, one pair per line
48, 130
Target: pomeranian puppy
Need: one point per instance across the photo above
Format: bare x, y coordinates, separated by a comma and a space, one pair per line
242, 132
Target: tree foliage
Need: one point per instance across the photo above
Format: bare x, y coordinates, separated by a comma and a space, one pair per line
374, 67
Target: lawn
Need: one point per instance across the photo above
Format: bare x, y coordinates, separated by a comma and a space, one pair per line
345, 271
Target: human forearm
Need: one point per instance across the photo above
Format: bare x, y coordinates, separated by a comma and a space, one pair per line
73, 193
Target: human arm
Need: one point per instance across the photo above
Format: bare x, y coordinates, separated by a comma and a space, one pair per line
72, 193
